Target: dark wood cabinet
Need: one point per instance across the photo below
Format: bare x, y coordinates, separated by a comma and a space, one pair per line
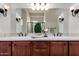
58, 48
74, 48
21, 48
5, 48
40, 48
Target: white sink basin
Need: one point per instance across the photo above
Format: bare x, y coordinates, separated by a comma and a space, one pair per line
37, 36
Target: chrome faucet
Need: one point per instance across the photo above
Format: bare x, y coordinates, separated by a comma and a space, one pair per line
58, 34
21, 34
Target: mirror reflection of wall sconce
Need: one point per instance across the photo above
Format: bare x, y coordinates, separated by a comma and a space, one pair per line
19, 20
75, 12
61, 19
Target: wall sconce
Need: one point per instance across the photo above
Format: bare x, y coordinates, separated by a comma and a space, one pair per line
61, 19
74, 12
18, 19
3, 11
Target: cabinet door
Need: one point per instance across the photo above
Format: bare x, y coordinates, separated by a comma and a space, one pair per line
21, 48
5, 48
40, 48
58, 48
74, 48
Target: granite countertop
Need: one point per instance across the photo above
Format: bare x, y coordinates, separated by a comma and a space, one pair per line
30, 37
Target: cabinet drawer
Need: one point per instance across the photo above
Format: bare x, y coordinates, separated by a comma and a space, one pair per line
74, 48
58, 48
5, 48
40, 45
40, 52
40, 48
21, 48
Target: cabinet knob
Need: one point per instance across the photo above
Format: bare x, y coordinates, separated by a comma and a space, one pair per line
14, 44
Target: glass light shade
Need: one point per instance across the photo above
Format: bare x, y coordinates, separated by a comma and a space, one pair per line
46, 8
33, 8
59, 17
38, 8
42, 8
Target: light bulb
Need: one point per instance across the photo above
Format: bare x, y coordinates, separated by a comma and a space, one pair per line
38, 8
46, 29
33, 8
46, 8
71, 8
59, 17
42, 8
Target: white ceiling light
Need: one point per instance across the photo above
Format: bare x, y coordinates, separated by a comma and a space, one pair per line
46, 8
39, 6
33, 8
71, 8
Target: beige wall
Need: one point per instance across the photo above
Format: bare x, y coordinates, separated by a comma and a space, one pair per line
74, 22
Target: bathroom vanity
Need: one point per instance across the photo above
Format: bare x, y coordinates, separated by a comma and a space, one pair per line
49, 46
21, 20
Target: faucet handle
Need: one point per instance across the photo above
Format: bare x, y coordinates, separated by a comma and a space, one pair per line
59, 34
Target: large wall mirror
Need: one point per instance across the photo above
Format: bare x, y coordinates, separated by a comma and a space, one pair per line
50, 19
23, 18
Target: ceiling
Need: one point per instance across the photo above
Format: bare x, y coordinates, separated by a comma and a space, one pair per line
51, 5
28, 5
